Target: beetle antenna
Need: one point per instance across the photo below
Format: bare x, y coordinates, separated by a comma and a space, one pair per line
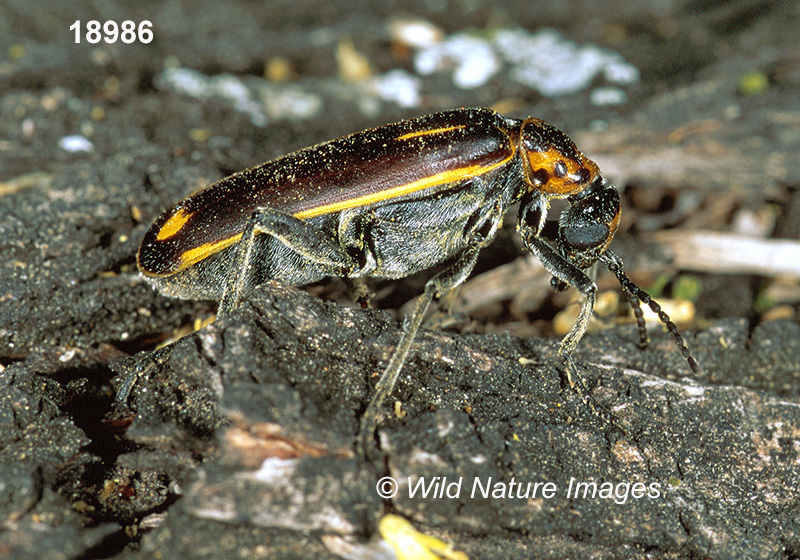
636, 305
636, 295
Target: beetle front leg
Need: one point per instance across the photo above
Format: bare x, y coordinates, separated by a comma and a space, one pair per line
318, 247
570, 274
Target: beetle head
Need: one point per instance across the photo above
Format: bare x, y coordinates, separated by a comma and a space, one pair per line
588, 224
552, 162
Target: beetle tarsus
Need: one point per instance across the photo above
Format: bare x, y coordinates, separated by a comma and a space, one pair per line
576, 384
142, 369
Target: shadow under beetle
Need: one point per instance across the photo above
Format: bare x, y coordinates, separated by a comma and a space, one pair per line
389, 202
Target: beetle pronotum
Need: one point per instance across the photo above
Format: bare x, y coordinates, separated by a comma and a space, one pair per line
389, 202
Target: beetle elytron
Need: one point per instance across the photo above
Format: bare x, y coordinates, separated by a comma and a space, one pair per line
389, 202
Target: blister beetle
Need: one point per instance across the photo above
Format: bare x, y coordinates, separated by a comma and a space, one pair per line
389, 202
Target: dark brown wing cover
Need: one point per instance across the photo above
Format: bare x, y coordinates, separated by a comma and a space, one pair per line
361, 168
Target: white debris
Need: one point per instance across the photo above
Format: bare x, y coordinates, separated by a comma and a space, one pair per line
414, 33
472, 59
554, 66
288, 102
608, 96
75, 143
396, 85
225, 86
544, 61
185, 82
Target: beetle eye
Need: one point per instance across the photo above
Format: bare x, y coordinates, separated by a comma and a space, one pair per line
560, 169
583, 175
540, 176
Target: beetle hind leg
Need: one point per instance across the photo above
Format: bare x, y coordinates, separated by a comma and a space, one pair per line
320, 249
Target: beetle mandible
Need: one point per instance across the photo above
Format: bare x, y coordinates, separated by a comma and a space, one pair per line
389, 202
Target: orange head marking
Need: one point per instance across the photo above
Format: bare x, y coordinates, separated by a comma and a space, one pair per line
552, 162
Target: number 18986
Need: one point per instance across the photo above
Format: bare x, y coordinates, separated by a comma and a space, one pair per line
110, 31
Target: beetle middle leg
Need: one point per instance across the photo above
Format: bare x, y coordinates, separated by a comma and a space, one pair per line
444, 316
436, 287
480, 224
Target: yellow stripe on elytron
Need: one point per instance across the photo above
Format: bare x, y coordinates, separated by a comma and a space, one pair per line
173, 225
432, 131
197, 254
401, 190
